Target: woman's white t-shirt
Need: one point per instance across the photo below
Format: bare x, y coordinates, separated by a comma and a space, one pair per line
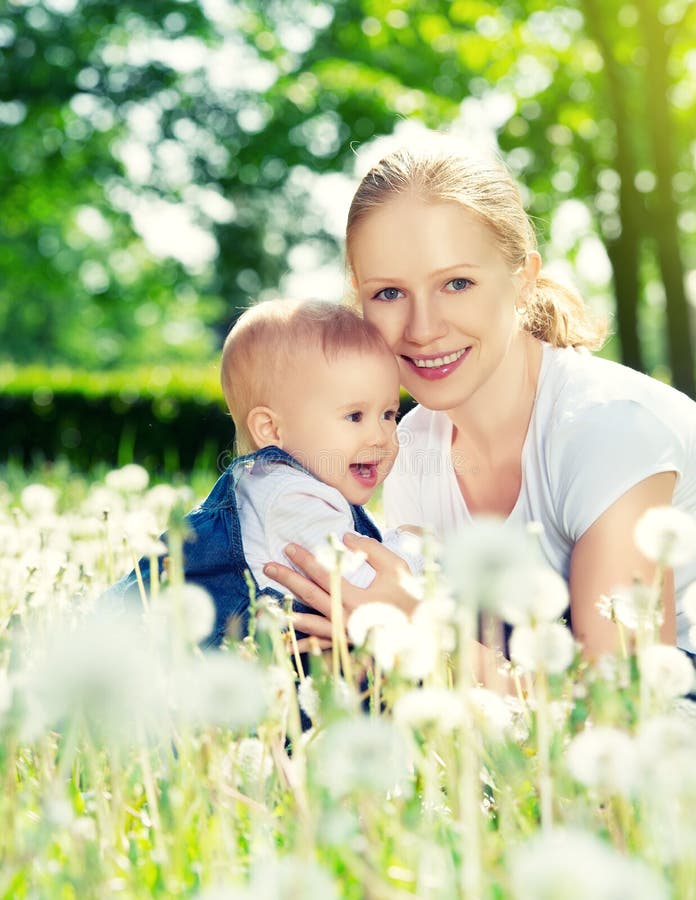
597, 429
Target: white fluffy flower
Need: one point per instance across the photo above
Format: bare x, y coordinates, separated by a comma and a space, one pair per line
161, 499
308, 698
361, 754
38, 500
666, 750
530, 594
605, 759
666, 535
103, 670
140, 532
186, 608
666, 670
569, 864
476, 556
491, 713
430, 707
221, 689
549, 646
334, 556
5, 692
130, 479
381, 628
102, 500
290, 878
662, 738
417, 653
253, 761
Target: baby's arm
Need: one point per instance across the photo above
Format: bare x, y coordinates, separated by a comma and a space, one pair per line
307, 519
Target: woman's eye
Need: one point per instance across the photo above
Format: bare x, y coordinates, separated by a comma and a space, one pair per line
389, 294
459, 284
354, 417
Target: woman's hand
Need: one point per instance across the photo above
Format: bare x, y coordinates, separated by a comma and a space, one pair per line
313, 587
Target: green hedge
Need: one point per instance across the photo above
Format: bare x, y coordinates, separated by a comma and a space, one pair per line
168, 419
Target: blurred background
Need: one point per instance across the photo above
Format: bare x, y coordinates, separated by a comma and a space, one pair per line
164, 164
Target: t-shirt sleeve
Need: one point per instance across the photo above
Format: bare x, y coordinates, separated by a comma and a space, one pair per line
598, 454
296, 515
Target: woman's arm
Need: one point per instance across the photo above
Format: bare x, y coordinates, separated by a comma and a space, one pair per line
313, 590
606, 557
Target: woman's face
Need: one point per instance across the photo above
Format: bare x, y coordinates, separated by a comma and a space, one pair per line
431, 277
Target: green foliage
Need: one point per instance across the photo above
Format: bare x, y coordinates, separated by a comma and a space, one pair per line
120, 121
170, 420
133, 763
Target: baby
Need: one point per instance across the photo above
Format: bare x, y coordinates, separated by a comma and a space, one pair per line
314, 394
315, 385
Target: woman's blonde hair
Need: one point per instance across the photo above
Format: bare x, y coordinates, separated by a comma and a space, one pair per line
439, 172
272, 336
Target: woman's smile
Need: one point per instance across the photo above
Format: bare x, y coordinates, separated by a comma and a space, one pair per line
436, 366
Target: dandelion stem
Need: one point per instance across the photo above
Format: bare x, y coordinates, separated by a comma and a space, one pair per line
544, 750
295, 649
141, 583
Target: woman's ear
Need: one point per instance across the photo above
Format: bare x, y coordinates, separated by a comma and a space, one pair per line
531, 267
263, 426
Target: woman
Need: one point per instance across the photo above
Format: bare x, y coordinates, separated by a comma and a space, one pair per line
516, 418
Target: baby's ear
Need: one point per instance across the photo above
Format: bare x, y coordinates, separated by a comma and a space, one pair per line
262, 423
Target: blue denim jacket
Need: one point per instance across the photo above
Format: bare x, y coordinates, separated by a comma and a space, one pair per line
214, 551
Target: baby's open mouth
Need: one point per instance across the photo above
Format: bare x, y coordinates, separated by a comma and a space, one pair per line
365, 473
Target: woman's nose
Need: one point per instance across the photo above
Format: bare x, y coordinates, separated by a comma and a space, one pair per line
425, 323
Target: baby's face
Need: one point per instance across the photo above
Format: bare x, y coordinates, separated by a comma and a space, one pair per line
339, 419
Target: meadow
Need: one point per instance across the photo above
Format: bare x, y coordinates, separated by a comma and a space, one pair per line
134, 764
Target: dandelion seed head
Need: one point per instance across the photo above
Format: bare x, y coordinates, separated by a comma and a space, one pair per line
476, 556
185, 608
280, 690
361, 755
103, 499
490, 711
253, 760
605, 759
666, 670
220, 689
102, 669
129, 479
414, 654
334, 556
38, 500
549, 646
381, 628
308, 698
291, 878
531, 593
412, 584
429, 708
160, 500
666, 535
569, 864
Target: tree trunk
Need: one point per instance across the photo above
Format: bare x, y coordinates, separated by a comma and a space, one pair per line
624, 250
663, 220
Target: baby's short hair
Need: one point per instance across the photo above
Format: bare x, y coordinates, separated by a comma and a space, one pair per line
270, 336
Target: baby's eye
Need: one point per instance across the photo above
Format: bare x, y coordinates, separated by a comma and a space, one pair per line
391, 415
458, 284
354, 417
389, 294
